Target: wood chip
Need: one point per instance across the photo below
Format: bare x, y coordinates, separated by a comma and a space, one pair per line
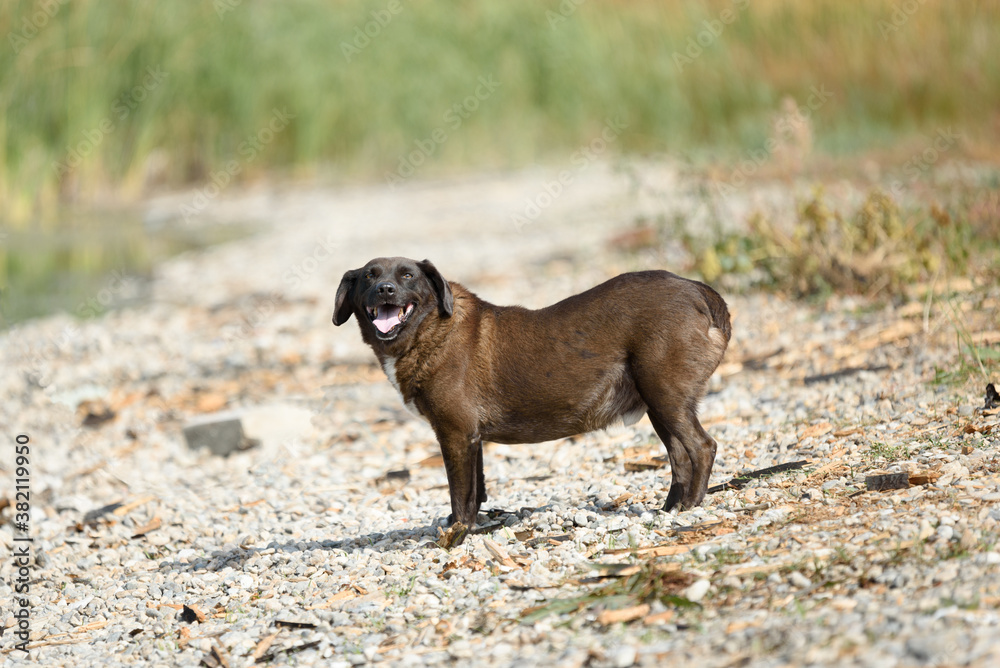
824, 470
740, 570
924, 477
639, 451
741, 625
152, 525
344, 595
646, 464
499, 553
621, 500
125, 509
433, 460
816, 430
263, 646
659, 618
210, 403
657, 550
217, 658
173, 606
92, 626
840, 433
624, 615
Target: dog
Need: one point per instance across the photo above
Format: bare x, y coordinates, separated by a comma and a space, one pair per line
640, 343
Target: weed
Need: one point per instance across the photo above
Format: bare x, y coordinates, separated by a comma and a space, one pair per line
884, 452
652, 581
879, 248
974, 361
401, 591
725, 557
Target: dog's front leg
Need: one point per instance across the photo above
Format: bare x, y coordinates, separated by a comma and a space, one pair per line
462, 454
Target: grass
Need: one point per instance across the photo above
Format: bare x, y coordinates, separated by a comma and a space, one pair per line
653, 580
974, 362
401, 590
885, 453
154, 93
725, 557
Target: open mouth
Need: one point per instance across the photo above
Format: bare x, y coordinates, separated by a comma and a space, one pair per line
388, 318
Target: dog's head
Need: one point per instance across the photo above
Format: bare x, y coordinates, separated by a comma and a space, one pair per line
391, 296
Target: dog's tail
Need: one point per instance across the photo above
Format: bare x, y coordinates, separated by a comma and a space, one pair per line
720, 313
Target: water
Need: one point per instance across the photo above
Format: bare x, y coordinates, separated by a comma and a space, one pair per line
91, 262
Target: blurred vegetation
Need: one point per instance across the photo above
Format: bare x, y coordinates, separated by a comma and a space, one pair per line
879, 249
103, 102
683, 80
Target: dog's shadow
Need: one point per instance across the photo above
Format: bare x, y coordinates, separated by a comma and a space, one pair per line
394, 540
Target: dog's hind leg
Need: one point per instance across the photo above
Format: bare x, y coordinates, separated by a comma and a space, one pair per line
680, 463
691, 452
672, 408
701, 448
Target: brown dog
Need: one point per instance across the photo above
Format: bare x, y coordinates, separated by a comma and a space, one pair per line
644, 342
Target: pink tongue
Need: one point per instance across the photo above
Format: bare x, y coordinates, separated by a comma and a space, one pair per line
386, 319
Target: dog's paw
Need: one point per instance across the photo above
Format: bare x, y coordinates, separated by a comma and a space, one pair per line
452, 536
674, 497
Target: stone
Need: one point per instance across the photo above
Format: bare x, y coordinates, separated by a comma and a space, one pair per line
797, 579
696, 592
221, 433
274, 424
623, 657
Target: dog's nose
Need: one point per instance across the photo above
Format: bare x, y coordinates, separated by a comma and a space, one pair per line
385, 289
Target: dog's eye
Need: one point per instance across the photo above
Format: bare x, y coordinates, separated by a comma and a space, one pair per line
407, 275
369, 275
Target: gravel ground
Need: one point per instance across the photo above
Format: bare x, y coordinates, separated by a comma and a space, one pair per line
317, 546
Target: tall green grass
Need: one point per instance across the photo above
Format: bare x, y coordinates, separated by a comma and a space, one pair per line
563, 69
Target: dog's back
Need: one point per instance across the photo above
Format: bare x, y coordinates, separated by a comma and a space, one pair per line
574, 366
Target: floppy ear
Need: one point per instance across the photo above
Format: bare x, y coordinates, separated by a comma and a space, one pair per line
446, 303
343, 309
